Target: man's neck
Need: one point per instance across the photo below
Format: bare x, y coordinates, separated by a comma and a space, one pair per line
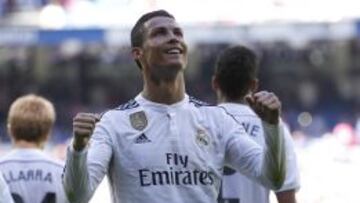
168, 92
22, 144
222, 99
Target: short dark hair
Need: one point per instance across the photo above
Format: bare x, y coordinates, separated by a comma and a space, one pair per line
137, 32
235, 67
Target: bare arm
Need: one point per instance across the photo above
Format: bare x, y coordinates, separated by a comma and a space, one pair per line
286, 196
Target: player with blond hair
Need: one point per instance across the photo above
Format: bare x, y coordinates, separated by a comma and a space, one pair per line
32, 175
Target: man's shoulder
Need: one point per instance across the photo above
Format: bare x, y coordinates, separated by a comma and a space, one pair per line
239, 110
125, 116
198, 103
209, 109
131, 104
122, 109
24, 158
211, 113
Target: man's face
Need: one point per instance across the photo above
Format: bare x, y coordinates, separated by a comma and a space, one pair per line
163, 45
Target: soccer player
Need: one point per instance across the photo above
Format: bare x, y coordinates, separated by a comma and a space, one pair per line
32, 175
5, 196
234, 78
163, 145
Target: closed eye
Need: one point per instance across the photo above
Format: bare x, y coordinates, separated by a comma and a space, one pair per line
178, 32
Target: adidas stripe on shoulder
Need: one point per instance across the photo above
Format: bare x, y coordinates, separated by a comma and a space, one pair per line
131, 104
197, 102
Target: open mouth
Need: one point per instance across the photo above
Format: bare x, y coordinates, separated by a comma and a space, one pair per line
174, 51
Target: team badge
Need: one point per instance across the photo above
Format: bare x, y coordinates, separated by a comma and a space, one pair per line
138, 120
202, 138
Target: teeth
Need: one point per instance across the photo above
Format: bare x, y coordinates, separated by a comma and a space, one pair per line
174, 51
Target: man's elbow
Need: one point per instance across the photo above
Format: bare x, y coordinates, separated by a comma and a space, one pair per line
278, 180
277, 185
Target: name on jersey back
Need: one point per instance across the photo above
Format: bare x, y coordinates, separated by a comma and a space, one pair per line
28, 175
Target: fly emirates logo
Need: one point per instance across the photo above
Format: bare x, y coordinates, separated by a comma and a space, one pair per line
172, 176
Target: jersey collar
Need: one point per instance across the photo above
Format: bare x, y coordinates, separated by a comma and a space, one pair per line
162, 107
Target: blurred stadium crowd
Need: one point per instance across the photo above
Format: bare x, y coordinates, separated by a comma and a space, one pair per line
317, 83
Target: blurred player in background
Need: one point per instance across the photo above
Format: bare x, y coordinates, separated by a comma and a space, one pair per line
234, 79
32, 175
5, 196
164, 146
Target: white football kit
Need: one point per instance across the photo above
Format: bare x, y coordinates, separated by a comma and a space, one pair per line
236, 188
160, 153
5, 196
33, 176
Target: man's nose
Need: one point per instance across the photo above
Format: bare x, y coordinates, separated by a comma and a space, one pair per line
173, 38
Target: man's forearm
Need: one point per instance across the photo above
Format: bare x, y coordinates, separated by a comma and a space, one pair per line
274, 162
286, 196
76, 177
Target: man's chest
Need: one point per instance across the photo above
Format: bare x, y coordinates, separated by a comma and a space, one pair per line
170, 142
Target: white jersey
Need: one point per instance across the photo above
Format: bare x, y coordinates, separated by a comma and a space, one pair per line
236, 188
5, 196
33, 176
160, 153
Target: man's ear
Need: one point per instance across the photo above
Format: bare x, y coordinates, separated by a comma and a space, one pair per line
9, 130
8, 127
136, 53
214, 83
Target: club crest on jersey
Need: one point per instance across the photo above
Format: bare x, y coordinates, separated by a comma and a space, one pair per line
202, 138
138, 120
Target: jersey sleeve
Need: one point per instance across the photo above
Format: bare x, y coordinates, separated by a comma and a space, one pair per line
264, 165
84, 170
292, 178
5, 196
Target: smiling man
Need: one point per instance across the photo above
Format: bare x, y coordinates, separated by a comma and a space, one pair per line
163, 145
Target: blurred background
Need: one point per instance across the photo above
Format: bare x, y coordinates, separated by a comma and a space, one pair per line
77, 54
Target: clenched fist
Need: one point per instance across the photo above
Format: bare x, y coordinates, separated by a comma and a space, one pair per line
266, 105
83, 127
